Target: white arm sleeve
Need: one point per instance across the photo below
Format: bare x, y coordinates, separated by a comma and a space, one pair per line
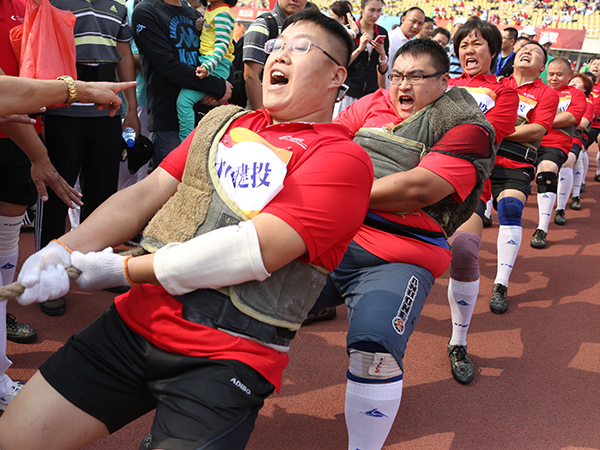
223, 257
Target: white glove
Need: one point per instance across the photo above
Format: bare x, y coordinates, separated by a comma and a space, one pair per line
53, 282
100, 270
53, 254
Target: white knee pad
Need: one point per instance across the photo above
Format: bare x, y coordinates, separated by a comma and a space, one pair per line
9, 234
373, 366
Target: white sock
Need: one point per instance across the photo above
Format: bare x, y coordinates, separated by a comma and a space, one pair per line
586, 163
8, 265
597, 161
578, 175
462, 296
488, 208
509, 242
565, 184
370, 412
545, 206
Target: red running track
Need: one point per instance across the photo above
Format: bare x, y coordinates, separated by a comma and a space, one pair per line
538, 366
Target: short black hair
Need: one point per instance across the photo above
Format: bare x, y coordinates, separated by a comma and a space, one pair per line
341, 8
443, 31
413, 8
419, 47
522, 38
512, 33
486, 30
541, 47
343, 45
563, 60
429, 19
593, 58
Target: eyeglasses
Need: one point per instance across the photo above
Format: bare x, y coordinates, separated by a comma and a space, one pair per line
296, 46
417, 78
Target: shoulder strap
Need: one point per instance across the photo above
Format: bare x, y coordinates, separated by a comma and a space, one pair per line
271, 25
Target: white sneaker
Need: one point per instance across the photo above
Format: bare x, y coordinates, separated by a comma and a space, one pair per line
14, 390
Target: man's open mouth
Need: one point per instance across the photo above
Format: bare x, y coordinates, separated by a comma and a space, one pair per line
278, 78
406, 101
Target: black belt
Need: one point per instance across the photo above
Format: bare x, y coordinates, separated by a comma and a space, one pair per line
214, 309
510, 149
100, 72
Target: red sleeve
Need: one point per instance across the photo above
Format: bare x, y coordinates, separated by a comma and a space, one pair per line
578, 104
353, 117
596, 100
503, 116
174, 162
589, 111
463, 141
545, 110
326, 198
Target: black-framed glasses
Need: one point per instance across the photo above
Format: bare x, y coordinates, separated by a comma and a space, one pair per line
398, 78
298, 46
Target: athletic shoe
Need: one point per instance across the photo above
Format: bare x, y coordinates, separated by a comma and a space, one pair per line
487, 221
597, 177
321, 315
19, 332
14, 390
539, 239
576, 203
461, 366
559, 217
582, 187
54, 307
499, 299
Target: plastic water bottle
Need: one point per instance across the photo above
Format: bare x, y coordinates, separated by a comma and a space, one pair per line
129, 137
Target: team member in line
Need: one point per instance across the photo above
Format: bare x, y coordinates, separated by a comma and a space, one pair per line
514, 168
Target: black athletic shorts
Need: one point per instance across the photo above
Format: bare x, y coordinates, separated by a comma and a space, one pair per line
116, 376
592, 136
576, 150
15, 175
554, 154
503, 178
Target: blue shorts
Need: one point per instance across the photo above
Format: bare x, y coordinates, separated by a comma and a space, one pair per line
384, 299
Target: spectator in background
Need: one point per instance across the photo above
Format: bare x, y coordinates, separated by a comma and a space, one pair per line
546, 43
455, 66
125, 177
506, 58
441, 36
168, 42
216, 57
254, 47
342, 12
427, 30
369, 60
81, 140
411, 23
529, 32
520, 42
238, 30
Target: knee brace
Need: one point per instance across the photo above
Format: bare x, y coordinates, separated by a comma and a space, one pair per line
510, 211
547, 182
373, 367
10, 228
465, 255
